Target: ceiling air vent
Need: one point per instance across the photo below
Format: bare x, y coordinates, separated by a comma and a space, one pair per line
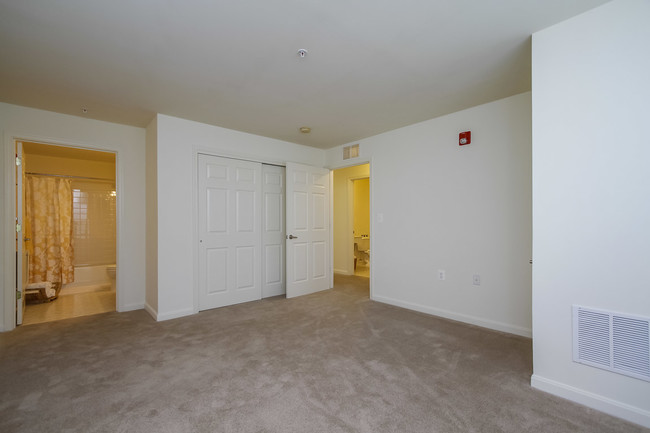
351, 151
612, 341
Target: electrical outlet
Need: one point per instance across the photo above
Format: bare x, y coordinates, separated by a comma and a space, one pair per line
476, 280
441, 274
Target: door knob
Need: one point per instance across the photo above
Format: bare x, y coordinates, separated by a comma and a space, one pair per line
293, 237
27, 239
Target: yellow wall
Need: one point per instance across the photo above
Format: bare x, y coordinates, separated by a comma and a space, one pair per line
362, 207
69, 166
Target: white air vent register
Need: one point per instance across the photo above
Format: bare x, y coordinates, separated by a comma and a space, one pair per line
351, 151
612, 341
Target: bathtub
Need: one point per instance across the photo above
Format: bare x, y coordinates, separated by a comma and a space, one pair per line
88, 279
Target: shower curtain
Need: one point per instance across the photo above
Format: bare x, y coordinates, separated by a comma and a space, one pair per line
48, 223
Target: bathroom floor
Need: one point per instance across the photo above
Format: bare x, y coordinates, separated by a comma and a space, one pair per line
71, 305
362, 270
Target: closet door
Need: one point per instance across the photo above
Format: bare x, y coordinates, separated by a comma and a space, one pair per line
273, 280
230, 239
308, 229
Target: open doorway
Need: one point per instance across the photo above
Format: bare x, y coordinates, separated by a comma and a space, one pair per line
351, 212
68, 267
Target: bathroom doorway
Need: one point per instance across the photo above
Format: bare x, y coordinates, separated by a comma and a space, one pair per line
351, 212
68, 250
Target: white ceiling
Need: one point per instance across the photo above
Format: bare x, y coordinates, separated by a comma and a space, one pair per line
373, 65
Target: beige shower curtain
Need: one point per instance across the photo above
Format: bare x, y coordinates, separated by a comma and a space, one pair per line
48, 223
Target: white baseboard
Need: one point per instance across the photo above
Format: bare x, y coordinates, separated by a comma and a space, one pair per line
485, 323
173, 314
130, 307
342, 272
152, 311
594, 401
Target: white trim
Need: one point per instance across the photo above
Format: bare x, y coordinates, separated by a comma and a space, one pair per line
152, 311
131, 307
19, 213
8, 244
349, 163
331, 240
373, 247
485, 323
173, 314
195, 231
594, 401
342, 272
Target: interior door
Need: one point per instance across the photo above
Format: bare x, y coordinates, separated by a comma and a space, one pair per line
308, 229
273, 226
230, 192
22, 257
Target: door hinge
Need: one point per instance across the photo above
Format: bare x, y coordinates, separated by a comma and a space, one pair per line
18, 228
19, 161
19, 294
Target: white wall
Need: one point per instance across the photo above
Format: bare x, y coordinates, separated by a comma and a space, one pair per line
178, 142
591, 196
465, 210
342, 216
128, 142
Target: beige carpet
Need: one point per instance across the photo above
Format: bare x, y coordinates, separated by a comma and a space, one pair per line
329, 362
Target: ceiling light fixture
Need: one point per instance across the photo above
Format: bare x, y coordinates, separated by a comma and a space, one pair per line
305, 129
302, 53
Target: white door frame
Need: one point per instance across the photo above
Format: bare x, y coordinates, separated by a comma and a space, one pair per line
8, 240
20, 236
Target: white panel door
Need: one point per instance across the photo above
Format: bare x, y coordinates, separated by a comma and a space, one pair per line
308, 229
273, 225
230, 239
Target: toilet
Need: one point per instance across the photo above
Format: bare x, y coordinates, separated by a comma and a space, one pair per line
111, 270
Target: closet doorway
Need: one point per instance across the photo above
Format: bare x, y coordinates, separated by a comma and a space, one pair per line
67, 246
241, 245
263, 230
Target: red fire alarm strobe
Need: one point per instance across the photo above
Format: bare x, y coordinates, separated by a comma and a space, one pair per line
464, 138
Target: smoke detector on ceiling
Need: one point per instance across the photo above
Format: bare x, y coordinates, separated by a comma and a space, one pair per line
302, 53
